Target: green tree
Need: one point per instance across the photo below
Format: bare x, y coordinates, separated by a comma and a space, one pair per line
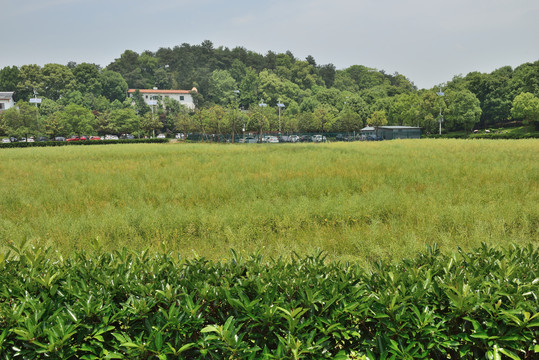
259, 119
526, 79
377, 119
249, 88
526, 108
306, 122
324, 116
88, 79
463, 109
30, 82
124, 120
76, 119
327, 73
183, 122
348, 121
304, 75
150, 123
9, 78
71, 97
233, 118
22, 119
141, 107
104, 125
53, 126
3, 125
114, 87
56, 80
405, 110
222, 86
48, 107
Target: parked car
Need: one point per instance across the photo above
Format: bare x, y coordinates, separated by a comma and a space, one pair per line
289, 138
95, 138
127, 136
42, 138
271, 139
73, 138
180, 136
13, 139
293, 138
161, 136
30, 139
59, 138
6, 141
305, 138
251, 140
318, 138
111, 137
344, 137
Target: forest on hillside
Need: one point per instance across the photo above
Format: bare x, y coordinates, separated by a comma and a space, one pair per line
86, 98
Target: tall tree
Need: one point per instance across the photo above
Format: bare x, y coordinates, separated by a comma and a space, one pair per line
30, 81
124, 120
22, 120
463, 110
77, 119
88, 79
258, 119
324, 117
233, 117
114, 87
377, 119
222, 86
9, 78
56, 80
327, 73
526, 107
53, 126
348, 121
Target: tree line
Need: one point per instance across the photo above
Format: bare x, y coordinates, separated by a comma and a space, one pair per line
232, 83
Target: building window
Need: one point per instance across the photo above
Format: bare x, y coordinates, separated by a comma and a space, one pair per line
181, 98
146, 96
1, 106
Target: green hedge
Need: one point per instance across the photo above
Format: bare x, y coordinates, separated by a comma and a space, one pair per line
486, 136
95, 305
84, 142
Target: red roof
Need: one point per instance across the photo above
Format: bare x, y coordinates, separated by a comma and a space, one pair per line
153, 91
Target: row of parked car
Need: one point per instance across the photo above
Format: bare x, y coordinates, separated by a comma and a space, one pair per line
284, 138
72, 138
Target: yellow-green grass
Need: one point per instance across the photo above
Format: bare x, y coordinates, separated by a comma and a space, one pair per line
356, 201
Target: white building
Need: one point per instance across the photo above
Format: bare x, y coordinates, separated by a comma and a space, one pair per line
184, 97
6, 100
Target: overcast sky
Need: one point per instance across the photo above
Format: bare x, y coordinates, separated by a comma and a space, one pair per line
428, 41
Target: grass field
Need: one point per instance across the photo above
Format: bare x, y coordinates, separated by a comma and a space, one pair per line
356, 201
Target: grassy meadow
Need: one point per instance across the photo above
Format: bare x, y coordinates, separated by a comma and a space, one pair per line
356, 201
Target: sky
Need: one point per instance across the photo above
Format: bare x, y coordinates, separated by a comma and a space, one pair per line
428, 41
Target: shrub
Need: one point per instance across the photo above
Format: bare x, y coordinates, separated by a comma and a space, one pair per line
480, 304
86, 142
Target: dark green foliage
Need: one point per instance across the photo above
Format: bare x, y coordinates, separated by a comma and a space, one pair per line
93, 305
87, 142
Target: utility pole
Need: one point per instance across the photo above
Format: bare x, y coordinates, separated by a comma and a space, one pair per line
440, 117
280, 105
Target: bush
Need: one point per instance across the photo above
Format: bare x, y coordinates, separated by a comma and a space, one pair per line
480, 304
84, 142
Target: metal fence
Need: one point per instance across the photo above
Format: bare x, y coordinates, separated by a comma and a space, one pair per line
269, 137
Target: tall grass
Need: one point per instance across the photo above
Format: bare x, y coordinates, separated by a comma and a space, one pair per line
357, 201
